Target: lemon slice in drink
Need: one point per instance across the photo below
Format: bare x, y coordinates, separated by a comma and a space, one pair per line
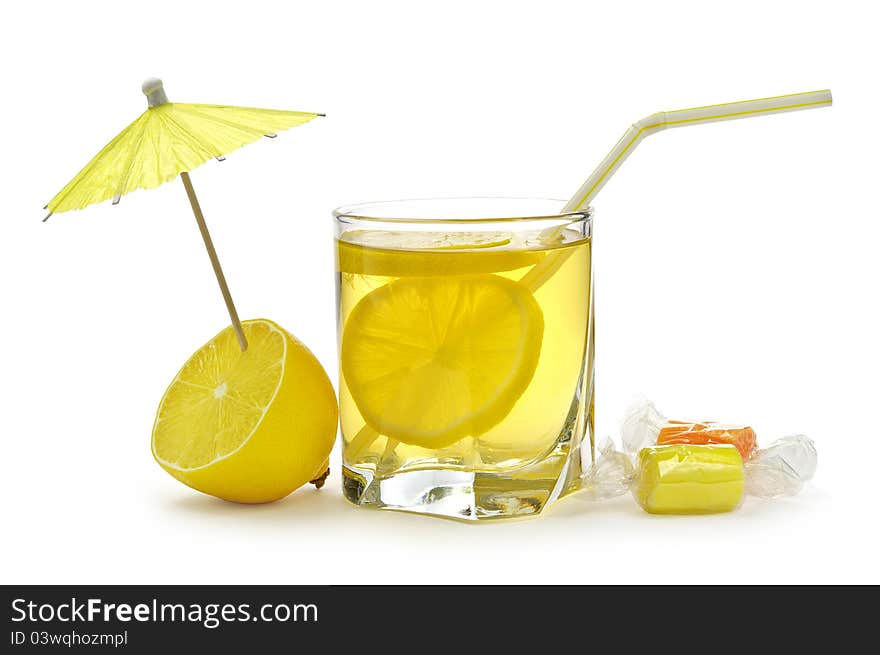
408, 254
427, 240
431, 360
247, 426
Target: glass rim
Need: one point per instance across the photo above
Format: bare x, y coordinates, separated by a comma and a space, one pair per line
367, 211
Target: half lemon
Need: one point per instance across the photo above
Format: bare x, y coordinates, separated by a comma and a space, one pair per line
247, 426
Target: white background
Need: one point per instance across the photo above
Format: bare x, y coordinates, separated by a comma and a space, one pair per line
736, 268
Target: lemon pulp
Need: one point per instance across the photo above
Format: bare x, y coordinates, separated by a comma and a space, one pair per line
219, 397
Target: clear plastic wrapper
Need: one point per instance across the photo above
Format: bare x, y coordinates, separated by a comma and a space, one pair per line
782, 468
610, 476
698, 467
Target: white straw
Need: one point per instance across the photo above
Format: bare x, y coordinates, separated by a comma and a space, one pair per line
681, 117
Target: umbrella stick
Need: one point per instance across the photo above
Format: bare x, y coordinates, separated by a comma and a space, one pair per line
209, 245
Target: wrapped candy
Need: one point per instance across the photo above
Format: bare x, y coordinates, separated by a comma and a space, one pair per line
643, 424
679, 432
697, 468
688, 479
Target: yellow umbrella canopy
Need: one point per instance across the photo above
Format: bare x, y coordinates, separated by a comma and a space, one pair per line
167, 140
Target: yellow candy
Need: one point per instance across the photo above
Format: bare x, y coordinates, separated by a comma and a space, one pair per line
689, 479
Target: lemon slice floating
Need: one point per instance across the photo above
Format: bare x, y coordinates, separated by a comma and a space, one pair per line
431, 360
247, 426
430, 253
409, 240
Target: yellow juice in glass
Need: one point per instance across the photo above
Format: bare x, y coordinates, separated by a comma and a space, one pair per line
465, 363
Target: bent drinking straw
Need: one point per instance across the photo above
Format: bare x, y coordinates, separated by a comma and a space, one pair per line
682, 117
655, 123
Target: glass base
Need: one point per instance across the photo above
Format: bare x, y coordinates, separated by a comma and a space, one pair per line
464, 495
468, 495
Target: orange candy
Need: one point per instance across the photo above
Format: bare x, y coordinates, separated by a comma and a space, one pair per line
680, 432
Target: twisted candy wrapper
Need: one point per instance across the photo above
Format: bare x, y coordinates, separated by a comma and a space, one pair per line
669, 477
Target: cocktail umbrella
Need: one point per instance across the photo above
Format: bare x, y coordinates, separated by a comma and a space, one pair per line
167, 140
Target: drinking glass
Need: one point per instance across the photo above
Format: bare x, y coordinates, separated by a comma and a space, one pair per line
466, 354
